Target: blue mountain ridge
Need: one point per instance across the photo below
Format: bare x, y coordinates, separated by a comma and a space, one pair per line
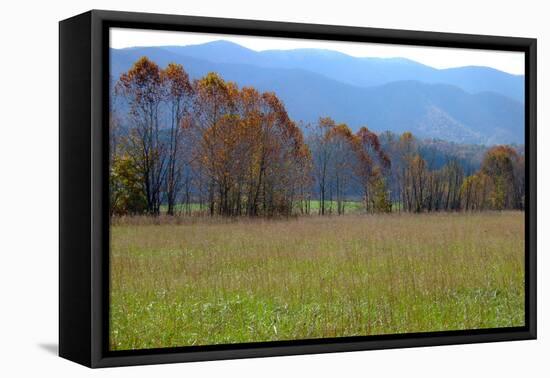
359, 71
387, 94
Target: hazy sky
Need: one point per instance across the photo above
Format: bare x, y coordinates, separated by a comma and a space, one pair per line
512, 62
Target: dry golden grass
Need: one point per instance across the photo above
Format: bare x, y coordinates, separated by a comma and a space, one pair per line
198, 282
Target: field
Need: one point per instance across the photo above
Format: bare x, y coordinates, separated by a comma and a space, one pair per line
200, 281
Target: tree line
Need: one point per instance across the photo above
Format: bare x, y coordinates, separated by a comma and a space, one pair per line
207, 146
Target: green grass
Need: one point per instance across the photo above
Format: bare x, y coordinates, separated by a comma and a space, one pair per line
349, 207
180, 207
218, 281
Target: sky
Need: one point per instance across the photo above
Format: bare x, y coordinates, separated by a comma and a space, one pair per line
437, 57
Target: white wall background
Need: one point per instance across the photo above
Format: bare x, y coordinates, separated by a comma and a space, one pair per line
29, 186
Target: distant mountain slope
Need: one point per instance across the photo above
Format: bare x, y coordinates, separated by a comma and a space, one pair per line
359, 71
428, 110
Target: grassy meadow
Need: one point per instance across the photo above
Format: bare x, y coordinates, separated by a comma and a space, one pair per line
197, 281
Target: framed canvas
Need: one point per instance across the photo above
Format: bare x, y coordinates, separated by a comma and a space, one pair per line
235, 188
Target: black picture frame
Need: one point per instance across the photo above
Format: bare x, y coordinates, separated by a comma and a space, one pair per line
83, 181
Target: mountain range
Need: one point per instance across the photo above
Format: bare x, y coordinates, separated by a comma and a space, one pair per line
471, 104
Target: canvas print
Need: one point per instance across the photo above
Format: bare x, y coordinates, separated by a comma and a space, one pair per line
269, 189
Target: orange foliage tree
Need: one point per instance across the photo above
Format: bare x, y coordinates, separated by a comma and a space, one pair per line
249, 151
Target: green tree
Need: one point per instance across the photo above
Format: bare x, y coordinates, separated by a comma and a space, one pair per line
127, 196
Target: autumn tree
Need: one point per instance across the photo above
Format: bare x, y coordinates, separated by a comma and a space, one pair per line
501, 164
142, 88
475, 191
390, 144
407, 152
322, 150
346, 163
371, 169
287, 155
214, 104
115, 124
344, 145
179, 97
250, 150
453, 176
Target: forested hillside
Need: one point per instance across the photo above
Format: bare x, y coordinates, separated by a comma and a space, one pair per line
466, 105
207, 146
